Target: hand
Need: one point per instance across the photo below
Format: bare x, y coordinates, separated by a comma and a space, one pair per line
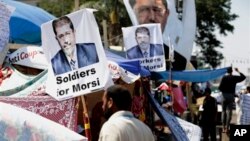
236, 69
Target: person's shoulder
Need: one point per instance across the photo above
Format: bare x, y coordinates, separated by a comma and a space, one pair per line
214, 99
132, 49
57, 55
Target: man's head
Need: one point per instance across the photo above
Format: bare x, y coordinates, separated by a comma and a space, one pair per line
142, 36
248, 89
65, 34
116, 98
207, 91
230, 70
151, 11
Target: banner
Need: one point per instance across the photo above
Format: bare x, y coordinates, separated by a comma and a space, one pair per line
5, 14
177, 33
77, 61
30, 56
143, 43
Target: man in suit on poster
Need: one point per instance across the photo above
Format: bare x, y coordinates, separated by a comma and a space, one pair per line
156, 11
72, 55
144, 48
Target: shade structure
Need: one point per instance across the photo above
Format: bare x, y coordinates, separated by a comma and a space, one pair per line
190, 75
25, 23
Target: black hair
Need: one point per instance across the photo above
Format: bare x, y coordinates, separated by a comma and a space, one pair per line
230, 70
248, 89
207, 91
120, 96
60, 21
142, 30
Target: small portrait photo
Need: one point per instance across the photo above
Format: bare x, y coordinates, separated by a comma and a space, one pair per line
146, 42
71, 55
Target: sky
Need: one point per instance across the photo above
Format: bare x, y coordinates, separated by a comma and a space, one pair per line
237, 44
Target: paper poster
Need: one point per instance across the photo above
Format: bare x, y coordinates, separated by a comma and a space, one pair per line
77, 61
143, 43
29, 56
5, 14
177, 33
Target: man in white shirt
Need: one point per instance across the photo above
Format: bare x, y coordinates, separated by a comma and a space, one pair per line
245, 106
121, 124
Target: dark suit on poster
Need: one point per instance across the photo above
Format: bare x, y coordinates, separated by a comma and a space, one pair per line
135, 52
86, 55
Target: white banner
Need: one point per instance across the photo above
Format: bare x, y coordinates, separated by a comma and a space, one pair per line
30, 56
144, 43
73, 47
181, 32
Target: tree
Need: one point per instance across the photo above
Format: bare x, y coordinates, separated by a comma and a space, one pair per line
212, 15
114, 13
57, 7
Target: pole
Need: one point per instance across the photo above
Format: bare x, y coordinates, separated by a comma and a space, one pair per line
105, 34
76, 5
170, 84
86, 118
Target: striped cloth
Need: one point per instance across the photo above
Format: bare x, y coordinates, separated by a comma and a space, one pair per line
63, 112
245, 106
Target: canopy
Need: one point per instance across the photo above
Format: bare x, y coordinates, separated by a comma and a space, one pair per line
25, 23
190, 75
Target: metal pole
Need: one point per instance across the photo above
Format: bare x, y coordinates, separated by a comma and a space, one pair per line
76, 5
105, 34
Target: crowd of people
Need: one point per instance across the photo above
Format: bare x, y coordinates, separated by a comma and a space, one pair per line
117, 110
121, 124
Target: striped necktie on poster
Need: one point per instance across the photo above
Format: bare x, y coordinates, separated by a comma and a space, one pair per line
72, 64
145, 54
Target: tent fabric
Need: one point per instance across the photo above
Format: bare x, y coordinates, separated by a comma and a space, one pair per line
22, 125
25, 23
130, 65
181, 129
24, 85
63, 112
190, 75
168, 119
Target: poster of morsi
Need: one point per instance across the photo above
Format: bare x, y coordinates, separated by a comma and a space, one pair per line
77, 61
